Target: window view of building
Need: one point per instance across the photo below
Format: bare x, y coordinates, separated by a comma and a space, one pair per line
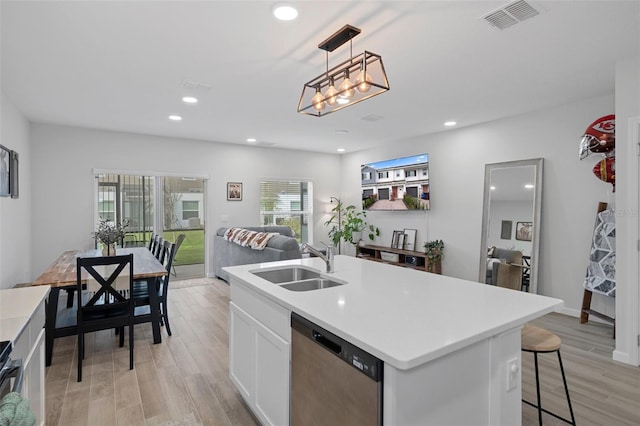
289, 204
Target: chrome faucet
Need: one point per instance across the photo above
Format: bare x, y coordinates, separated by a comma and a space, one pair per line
328, 259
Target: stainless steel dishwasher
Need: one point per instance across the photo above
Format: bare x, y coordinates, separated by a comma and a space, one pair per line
332, 381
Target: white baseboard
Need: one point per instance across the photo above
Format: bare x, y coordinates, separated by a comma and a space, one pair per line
576, 314
570, 312
621, 357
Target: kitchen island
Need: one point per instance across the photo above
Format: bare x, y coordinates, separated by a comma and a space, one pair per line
450, 347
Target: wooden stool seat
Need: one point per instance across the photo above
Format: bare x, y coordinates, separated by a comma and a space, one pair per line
536, 339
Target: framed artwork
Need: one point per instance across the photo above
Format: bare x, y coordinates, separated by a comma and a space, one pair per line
505, 232
410, 239
5, 166
524, 231
234, 191
13, 175
398, 236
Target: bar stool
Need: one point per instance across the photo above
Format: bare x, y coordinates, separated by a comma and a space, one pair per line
538, 340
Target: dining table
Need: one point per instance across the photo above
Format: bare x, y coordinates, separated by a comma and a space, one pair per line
62, 275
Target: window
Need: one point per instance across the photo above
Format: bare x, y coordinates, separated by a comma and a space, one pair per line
410, 173
383, 175
366, 176
190, 209
288, 203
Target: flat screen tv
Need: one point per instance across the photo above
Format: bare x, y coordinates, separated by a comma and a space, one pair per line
397, 184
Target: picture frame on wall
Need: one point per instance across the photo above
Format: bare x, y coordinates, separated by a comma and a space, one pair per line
234, 191
524, 231
13, 175
5, 167
505, 231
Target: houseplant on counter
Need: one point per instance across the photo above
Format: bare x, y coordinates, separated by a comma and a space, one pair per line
434, 251
108, 234
348, 224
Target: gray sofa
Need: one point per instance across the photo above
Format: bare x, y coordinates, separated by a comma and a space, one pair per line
500, 271
279, 247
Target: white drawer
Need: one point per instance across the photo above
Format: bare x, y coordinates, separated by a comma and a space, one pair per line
271, 315
36, 324
29, 335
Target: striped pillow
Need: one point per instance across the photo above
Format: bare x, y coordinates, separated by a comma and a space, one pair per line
247, 238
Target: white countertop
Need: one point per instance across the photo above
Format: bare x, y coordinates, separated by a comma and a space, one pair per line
404, 317
17, 305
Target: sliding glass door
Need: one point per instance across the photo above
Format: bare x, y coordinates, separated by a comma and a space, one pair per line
165, 205
183, 213
128, 199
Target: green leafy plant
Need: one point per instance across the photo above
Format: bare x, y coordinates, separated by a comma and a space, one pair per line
413, 203
434, 250
347, 221
110, 233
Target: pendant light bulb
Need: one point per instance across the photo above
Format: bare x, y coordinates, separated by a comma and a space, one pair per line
318, 100
346, 89
363, 81
331, 95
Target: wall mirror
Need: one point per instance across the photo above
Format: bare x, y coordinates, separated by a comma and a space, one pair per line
512, 194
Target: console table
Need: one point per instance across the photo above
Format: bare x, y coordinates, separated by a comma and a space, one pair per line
406, 258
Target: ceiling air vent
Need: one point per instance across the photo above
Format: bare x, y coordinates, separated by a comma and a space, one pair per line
511, 14
372, 117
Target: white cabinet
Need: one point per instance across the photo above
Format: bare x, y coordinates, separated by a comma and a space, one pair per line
259, 353
29, 347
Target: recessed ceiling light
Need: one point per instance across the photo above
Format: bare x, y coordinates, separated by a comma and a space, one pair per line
528, 186
493, 188
175, 118
340, 149
189, 100
450, 123
285, 12
252, 140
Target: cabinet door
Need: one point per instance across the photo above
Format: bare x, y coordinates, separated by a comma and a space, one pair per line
33, 378
241, 351
272, 377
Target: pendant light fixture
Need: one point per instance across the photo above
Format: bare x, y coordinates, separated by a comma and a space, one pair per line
336, 88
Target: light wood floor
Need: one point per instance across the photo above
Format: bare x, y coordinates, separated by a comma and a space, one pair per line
184, 380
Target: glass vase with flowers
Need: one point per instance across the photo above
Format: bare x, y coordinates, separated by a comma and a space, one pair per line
108, 234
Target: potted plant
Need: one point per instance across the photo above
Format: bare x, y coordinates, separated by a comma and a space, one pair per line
108, 234
434, 251
347, 224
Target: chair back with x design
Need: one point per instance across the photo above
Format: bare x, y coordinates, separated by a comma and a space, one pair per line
109, 306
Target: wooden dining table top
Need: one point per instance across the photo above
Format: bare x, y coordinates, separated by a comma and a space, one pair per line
62, 272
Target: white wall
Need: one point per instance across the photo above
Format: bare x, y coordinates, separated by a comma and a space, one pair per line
457, 159
15, 229
63, 199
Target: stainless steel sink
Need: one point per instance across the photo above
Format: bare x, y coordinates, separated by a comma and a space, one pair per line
312, 284
286, 274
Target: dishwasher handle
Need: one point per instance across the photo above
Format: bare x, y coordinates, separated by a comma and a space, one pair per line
322, 340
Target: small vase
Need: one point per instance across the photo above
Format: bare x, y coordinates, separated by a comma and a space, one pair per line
109, 249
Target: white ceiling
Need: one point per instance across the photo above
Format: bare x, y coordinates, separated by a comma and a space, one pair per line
125, 65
